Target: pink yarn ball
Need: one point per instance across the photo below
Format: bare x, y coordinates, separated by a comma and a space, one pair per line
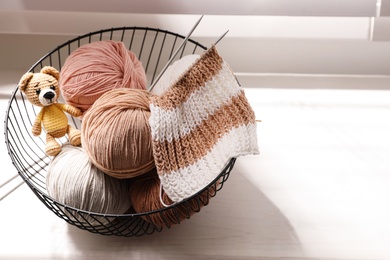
95, 68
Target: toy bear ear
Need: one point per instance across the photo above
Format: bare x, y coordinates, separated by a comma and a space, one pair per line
25, 80
51, 71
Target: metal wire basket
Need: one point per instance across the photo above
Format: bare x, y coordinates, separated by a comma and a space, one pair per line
153, 47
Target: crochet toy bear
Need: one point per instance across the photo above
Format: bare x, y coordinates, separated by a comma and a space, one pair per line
42, 90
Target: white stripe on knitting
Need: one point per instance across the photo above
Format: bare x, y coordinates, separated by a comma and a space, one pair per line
172, 124
185, 182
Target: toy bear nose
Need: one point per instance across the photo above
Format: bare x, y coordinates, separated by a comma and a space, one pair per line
49, 95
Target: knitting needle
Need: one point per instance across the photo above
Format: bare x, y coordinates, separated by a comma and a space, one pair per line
213, 45
174, 55
217, 41
220, 38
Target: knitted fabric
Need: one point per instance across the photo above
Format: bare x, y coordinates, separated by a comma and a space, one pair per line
200, 123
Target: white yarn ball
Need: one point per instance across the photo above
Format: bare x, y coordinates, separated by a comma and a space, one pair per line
74, 181
173, 73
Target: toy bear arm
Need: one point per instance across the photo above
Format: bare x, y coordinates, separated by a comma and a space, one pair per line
37, 127
74, 111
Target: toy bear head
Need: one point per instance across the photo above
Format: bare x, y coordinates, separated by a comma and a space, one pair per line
41, 88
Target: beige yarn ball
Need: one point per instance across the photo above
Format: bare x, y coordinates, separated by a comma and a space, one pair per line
116, 134
74, 181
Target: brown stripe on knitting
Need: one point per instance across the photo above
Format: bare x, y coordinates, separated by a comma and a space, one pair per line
188, 149
207, 66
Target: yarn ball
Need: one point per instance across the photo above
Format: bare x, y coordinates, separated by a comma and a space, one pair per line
144, 195
93, 69
173, 73
115, 133
74, 181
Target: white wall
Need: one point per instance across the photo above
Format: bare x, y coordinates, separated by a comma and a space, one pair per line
334, 41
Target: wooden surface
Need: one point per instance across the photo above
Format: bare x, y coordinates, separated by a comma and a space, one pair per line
318, 190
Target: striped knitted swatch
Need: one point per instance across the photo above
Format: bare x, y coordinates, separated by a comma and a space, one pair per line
200, 123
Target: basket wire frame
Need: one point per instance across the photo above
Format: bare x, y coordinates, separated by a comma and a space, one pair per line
153, 47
